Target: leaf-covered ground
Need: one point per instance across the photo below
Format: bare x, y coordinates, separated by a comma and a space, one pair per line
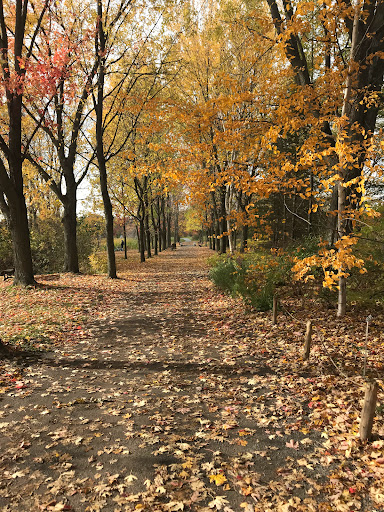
157, 393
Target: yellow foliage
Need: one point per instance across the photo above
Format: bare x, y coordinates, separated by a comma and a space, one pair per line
334, 263
218, 479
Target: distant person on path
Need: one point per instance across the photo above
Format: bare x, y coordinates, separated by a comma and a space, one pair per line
122, 244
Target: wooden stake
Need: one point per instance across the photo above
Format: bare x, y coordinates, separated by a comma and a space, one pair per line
308, 339
368, 411
274, 311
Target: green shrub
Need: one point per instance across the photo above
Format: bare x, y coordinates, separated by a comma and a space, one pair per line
263, 299
224, 274
253, 276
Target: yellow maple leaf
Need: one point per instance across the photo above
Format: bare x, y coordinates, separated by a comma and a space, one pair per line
218, 479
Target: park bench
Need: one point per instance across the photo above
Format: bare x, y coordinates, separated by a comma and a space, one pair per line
8, 273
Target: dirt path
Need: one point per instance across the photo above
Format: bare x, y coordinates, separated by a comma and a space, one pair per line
158, 409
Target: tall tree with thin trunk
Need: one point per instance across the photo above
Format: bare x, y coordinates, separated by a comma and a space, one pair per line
101, 160
15, 58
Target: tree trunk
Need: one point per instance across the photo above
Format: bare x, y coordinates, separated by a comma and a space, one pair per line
332, 216
216, 240
141, 239
22, 257
71, 263
223, 221
125, 238
293, 217
341, 231
107, 213
228, 210
100, 146
342, 223
158, 223
146, 217
169, 231
244, 238
176, 233
160, 231
164, 223
310, 204
147, 234
11, 180
155, 232
209, 234
108, 225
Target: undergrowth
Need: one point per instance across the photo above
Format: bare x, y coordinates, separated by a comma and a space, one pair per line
254, 276
258, 274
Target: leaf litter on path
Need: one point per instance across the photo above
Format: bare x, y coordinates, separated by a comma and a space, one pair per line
161, 394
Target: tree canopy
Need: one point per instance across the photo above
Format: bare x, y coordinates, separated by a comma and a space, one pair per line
262, 117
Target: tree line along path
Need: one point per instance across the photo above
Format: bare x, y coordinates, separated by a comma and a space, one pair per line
176, 398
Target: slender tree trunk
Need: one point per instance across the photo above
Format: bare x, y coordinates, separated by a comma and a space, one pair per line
155, 231
176, 234
159, 228
310, 204
160, 231
341, 229
164, 222
141, 239
342, 192
146, 217
212, 231
71, 263
147, 234
244, 238
223, 221
138, 237
228, 210
125, 238
332, 216
108, 213
169, 231
216, 240
293, 217
108, 226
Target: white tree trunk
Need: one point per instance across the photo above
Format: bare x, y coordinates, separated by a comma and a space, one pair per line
228, 208
341, 206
